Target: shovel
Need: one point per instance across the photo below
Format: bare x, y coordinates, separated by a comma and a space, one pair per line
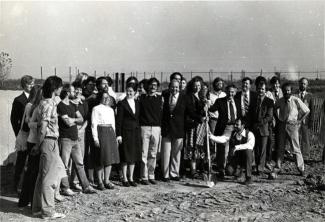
208, 178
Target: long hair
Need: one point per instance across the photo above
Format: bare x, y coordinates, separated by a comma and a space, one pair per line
33, 93
37, 99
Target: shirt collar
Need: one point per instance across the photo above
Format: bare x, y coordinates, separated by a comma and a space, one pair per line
243, 133
26, 94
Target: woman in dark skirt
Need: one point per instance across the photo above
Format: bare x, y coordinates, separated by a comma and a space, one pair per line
128, 133
103, 130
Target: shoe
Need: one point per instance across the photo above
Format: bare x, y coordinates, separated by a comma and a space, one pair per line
89, 190
145, 182
221, 175
302, 173
68, 192
125, 183
59, 198
175, 178
76, 187
165, 180
109, 186
248, 181
92, 183
133, 184
54, 216
100, 186
38, 213
152, 181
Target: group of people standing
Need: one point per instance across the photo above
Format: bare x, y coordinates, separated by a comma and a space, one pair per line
77, 133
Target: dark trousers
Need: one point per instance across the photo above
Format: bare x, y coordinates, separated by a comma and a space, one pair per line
270, 146
29, 181
89, 157
260, 151
242, 159
19, 167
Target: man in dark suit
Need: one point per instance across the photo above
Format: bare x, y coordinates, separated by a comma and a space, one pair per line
261, 120
307, 123
247, 99
175, 107
16, 116
229, 110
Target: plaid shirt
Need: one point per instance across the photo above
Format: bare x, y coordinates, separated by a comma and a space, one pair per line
48, 113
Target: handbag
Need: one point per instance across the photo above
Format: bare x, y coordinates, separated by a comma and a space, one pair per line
21, 139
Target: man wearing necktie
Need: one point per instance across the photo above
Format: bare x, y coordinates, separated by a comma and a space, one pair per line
306, 124
292, 111
261, 121
229, 109
247, 98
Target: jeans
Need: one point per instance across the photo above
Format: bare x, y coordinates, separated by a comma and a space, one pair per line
71, 148
150, 141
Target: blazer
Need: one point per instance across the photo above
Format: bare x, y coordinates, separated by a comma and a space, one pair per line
221, 106
125, 118
309, 101
263, 117
252, 104
17, 112
173, 123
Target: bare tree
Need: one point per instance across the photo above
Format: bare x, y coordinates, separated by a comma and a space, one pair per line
5, 66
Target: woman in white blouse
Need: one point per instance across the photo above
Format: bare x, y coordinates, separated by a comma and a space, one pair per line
103, 130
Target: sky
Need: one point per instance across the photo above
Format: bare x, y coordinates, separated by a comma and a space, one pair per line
162, 36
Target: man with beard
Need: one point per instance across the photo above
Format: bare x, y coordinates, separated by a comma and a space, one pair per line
306, 124
69, 117
150, 121
241, 144
292, 111
216, 94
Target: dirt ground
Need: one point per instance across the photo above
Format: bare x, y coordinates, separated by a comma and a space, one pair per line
288, 198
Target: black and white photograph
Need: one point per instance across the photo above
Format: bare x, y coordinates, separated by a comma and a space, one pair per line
162, 110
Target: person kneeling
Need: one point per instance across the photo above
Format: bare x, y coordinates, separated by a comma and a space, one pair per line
241, 144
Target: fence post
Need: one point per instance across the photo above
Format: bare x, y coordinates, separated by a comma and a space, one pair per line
41, 73
191, 74
261, 73
231, 77
55, 71
95, 73
161, 77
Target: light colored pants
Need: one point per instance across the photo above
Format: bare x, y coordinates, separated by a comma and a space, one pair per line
70, 148
291, 132
305, 143
171, 156
150, 142
51, 170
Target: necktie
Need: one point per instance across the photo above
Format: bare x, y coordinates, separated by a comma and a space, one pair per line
232, 111
246, 104
276, 96
302, 96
